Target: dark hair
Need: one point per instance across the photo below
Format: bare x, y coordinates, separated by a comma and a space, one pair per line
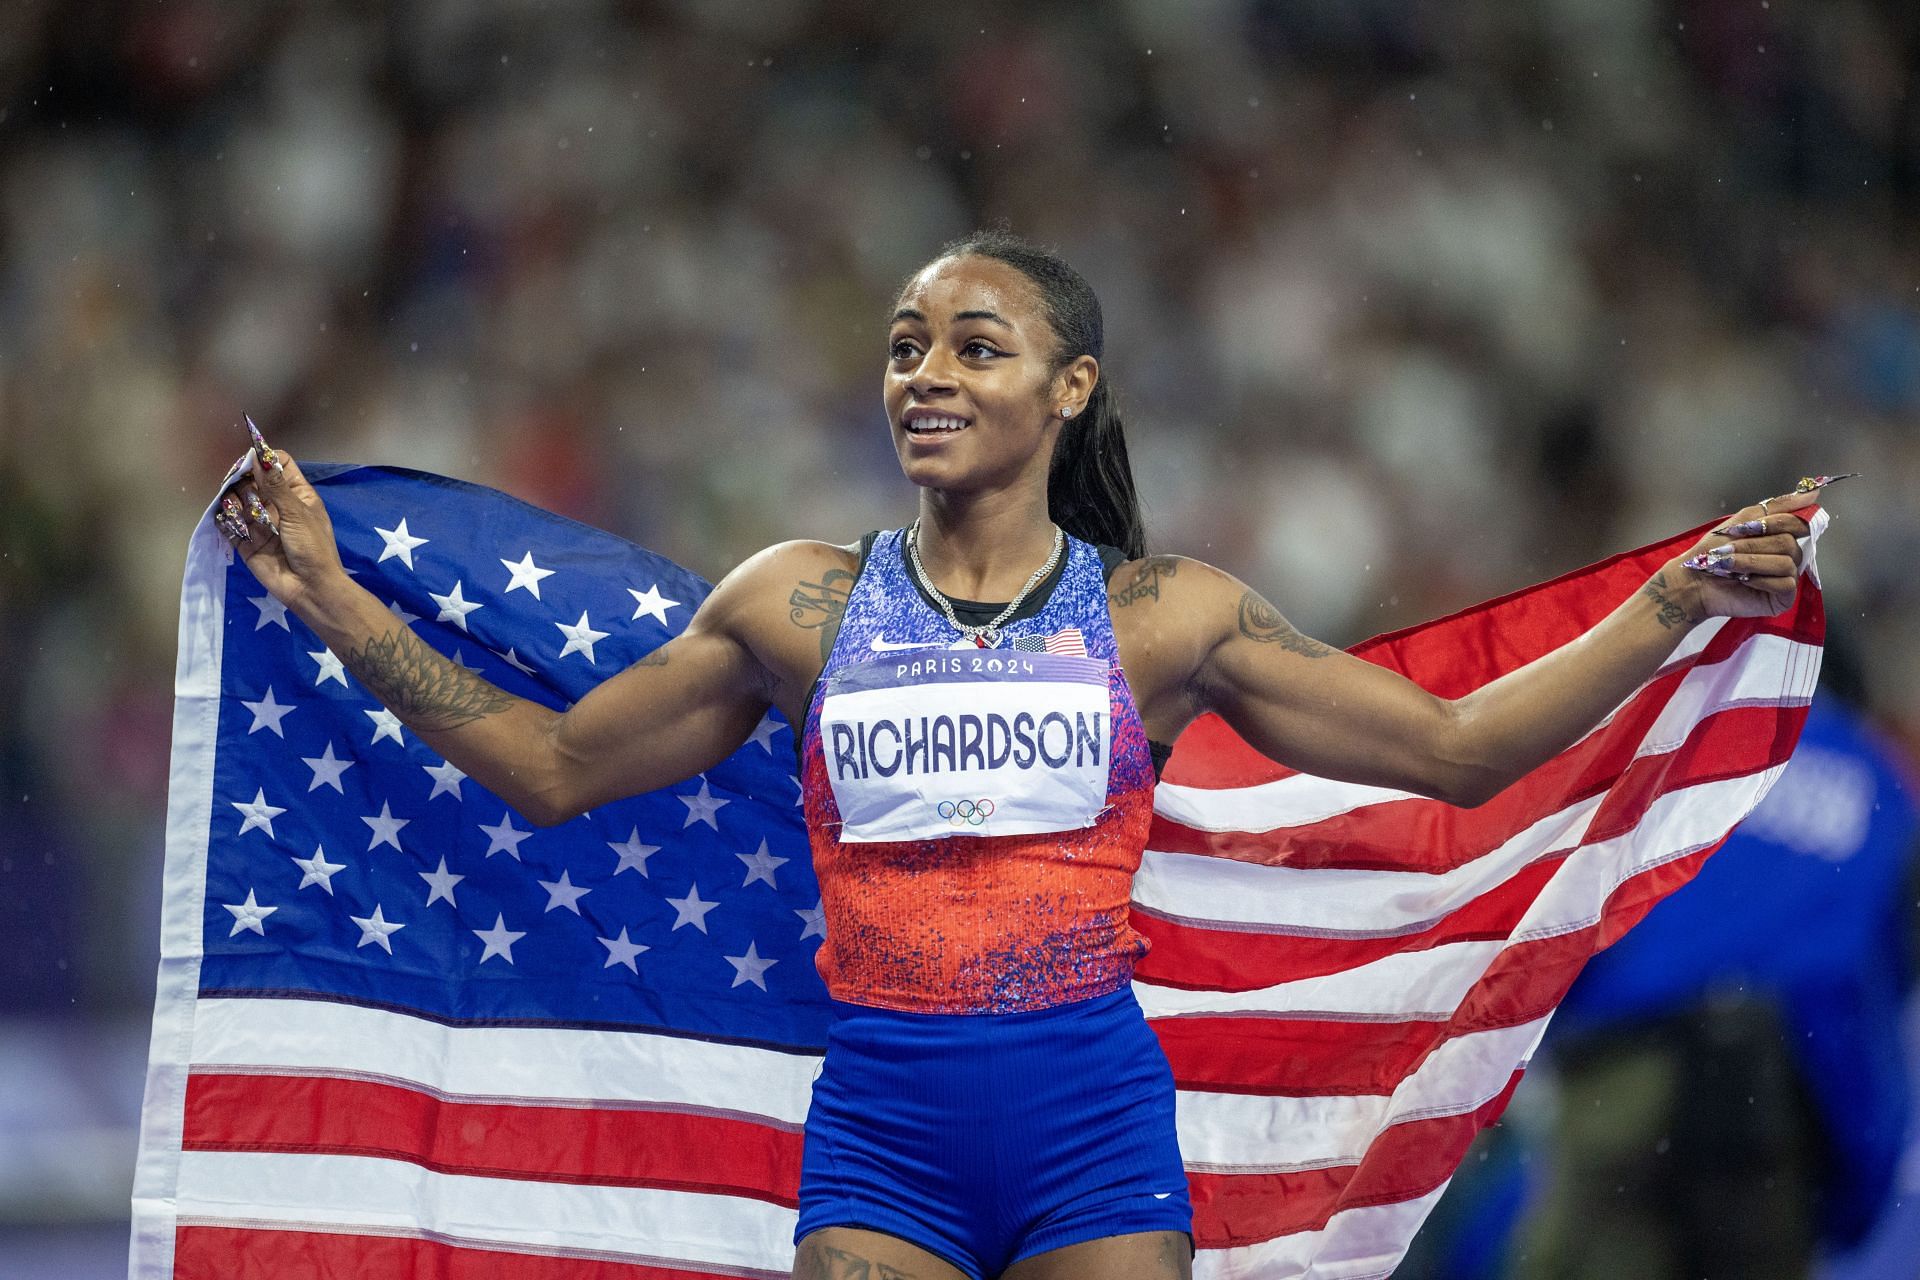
1090, 490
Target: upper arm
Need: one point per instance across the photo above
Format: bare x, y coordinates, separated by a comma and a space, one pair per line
1299, 701
689, 704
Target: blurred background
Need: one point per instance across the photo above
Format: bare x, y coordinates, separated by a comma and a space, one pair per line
1409, 304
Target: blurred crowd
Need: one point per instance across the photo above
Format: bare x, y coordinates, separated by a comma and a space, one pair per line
1409, 304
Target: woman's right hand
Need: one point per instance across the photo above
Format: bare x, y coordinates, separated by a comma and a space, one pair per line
279, 525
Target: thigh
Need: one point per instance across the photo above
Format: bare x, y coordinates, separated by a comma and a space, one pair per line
849, 1253
1143, 1255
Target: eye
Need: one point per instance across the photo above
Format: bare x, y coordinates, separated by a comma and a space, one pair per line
901, 349
981, 349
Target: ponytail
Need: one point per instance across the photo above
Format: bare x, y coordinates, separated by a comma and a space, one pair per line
1090, 490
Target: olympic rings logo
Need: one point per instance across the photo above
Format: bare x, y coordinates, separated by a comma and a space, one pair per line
970, 813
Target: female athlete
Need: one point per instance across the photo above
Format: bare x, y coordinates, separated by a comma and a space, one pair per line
978, 776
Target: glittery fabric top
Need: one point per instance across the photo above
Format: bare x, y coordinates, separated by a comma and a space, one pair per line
980, 924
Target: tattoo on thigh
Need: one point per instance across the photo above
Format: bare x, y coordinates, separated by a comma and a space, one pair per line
1145, 583
1260, 621
819, 606
419, 685
824, 1262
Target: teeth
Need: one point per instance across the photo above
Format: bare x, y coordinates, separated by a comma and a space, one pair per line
936, 424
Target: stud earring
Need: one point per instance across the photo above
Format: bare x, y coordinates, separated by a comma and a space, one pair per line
1065, 412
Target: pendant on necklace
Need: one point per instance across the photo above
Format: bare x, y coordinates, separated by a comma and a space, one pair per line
987, 639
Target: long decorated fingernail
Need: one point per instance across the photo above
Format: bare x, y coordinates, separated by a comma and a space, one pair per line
258, 510
267, 455
1712, 560
1809, 483
236, 520
1745, 529
238, 463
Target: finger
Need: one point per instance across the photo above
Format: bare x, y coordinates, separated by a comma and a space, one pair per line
1792, 501
258, 512
1723, 562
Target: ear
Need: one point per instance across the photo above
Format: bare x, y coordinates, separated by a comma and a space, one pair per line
1073, 385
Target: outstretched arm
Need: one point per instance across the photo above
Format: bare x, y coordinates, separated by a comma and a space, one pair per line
675, 712
1317, 709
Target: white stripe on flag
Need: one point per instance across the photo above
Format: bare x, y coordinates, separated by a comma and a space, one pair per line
503, 1063
1358, 1244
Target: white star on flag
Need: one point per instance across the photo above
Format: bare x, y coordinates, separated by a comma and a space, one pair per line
816, 921
650, 603
454, 607
504, 838
761, 866
702, 807
512, 659
499, 940
271, 610
385, 725
330, 667
750, 968
399, 543
691, 910
376, 929
526, 574
386, 828
633, 854
267, 714
249, 915
459, 659
317, 870
764, 731
441, 881
406, 619
446, 779
581, 637
327, 768
620, 951
258, 813
564, 893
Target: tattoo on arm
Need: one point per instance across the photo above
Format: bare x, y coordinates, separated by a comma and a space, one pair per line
658, 658
824, 1262
819, 606
1145, 583
421, 687
1261, 622
1669, 612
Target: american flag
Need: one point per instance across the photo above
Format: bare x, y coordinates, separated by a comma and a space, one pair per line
401, 1031
1067, 641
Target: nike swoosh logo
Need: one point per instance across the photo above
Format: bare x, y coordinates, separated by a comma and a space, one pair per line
882, 646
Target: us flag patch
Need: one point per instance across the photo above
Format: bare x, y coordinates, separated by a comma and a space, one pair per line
1067, 640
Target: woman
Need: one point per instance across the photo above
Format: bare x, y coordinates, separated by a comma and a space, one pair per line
978, 776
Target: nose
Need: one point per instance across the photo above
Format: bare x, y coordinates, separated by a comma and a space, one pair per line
932, 375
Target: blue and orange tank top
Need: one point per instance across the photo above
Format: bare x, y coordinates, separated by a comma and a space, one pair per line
976, 815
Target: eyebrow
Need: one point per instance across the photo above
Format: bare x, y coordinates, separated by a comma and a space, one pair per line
908, 313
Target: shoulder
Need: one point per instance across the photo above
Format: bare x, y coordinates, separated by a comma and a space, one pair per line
803, 573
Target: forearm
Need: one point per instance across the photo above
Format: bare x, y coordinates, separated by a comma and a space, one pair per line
1516, 723
499, 740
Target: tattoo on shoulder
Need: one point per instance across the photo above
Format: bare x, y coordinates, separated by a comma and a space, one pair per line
1262, 622
419, 685
1145, 583
1669, 612
819, 606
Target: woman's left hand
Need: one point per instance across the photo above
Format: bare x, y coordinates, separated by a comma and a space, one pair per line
1748, 565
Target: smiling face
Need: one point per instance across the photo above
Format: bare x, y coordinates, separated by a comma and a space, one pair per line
971, 391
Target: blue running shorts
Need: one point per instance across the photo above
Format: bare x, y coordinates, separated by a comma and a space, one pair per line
986, 1138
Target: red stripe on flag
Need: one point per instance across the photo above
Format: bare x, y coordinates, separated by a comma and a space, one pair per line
1404, 1162
1193, 957
267, 1253
594, 1145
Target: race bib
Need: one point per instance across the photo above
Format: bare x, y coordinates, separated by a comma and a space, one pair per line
974, 742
